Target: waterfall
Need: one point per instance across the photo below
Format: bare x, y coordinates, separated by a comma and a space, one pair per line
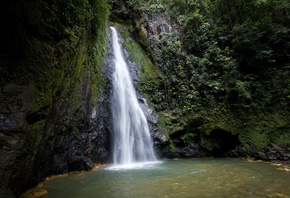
132, 140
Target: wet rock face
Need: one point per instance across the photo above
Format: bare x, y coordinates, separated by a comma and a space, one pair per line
91, 142
14, 133
69, 133
67, 139
274, 153
102, 124
155, 24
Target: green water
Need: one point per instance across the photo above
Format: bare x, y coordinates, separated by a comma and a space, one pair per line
175, 178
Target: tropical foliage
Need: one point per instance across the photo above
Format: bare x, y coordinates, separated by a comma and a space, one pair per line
224, 52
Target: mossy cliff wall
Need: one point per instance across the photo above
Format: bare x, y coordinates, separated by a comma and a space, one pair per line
54, 111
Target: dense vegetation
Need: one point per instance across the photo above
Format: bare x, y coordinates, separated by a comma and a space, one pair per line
226, 60
225, 50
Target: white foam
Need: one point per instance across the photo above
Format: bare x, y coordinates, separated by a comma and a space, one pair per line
141, 165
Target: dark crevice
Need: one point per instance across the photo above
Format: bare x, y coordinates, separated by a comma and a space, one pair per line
34, 117
223, 142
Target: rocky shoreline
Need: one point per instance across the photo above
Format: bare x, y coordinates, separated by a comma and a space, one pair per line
274, 154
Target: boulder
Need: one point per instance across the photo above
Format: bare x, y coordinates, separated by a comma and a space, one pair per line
78, 162
271, 156
261, 155
275, 147
274, 153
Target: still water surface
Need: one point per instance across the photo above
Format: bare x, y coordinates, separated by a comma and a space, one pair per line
175, 178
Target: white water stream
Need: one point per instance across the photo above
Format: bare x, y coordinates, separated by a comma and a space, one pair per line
132, 141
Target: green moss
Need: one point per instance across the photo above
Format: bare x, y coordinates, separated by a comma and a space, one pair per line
207, 128
44, 98
142, 38
269, 127
149, 71
259, 140
75, 131
172, 146
37, 126
165, 123
38, 131
253, 131
188, 137
138, 55
281, 137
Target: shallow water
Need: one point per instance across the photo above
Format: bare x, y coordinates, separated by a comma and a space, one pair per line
175, 178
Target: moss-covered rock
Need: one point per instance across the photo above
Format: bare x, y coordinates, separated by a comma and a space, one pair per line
51, 80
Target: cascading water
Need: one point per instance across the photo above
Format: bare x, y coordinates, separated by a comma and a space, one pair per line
132, 141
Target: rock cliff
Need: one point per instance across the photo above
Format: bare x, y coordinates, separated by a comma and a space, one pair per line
54, 106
